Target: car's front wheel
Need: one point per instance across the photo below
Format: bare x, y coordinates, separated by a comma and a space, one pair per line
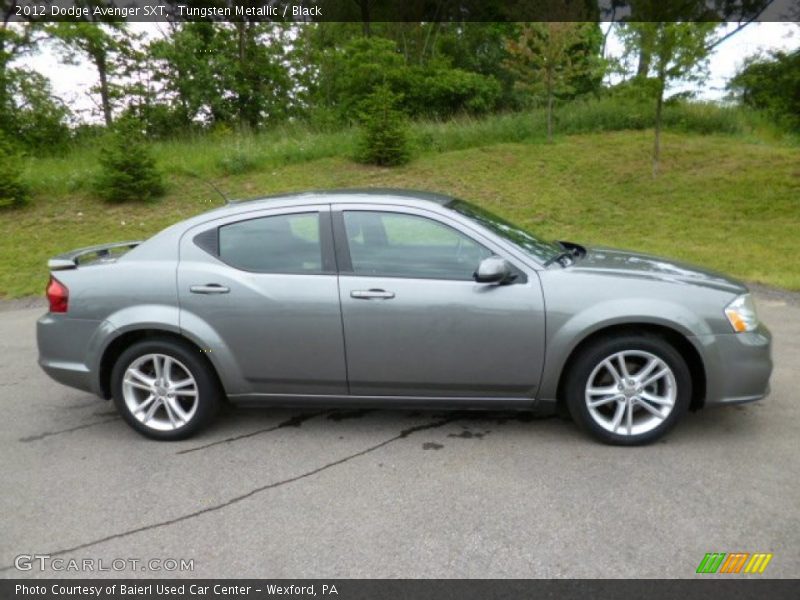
628, 390
164, 389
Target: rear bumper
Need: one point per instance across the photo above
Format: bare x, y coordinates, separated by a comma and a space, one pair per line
68, 350
737, 365
74, 375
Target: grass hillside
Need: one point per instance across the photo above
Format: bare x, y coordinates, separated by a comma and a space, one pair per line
723, 201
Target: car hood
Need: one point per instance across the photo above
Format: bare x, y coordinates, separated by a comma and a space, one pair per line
620, 263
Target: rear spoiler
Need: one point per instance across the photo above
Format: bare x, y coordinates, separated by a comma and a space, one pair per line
101, 253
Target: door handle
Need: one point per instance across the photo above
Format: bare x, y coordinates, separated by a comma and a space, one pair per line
372, 294
209, 288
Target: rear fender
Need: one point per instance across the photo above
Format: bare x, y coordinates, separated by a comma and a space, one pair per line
157, 317
133, 318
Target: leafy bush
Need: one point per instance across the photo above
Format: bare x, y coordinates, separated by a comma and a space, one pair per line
31, 116
771, 84
127, 169
351, 74
13, 192
441, 91
384, 136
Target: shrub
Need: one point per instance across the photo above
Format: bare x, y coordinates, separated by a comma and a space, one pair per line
351, 74
13, 192
441, 91
127, 169
383, 137
237, 162
771, 83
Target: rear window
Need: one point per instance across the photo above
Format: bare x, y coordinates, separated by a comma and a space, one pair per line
277, 244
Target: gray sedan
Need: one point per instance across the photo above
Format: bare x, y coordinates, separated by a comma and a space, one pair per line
392, 298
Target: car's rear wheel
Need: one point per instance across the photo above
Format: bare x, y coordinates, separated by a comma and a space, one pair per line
164, 389
628, 390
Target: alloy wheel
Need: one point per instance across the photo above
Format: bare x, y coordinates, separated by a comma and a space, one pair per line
631, 392
160, 392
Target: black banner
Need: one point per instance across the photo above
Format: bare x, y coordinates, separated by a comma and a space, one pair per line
401, 589
402, 10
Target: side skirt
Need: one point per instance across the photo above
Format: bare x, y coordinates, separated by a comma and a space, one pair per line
390, 402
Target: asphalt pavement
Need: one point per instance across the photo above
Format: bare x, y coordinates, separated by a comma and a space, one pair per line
343, 493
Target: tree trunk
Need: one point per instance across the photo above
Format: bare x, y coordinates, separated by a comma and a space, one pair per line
550, 117
105, 100
365, 17
645, 54
643, 67
241, 97
657, 141
3, 82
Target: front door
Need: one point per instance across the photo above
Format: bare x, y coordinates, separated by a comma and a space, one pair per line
417, 324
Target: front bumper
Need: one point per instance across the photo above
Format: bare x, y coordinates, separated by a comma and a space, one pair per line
737, 366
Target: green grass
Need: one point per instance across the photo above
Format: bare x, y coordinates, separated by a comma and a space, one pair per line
226, 153
726, 202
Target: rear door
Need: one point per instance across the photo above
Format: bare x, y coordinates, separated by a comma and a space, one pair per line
415, 321
260, 292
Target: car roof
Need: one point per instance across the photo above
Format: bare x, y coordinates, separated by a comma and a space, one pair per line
388, 196
341, 196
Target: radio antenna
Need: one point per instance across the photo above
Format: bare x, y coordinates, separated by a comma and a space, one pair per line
209, 184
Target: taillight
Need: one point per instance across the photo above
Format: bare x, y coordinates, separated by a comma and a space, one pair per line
57, 295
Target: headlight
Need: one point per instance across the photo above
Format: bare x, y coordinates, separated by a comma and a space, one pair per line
742, 314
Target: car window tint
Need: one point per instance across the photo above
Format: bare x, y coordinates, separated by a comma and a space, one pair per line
279, 244
398, 245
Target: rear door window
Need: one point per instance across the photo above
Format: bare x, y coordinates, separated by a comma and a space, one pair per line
275, 244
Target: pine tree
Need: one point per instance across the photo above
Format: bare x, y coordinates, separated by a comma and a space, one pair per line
384, 134
127, 169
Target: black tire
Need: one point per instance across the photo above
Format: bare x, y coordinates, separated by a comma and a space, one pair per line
590, 357
208, 392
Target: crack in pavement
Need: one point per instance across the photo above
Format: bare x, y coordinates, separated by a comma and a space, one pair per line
41, 436
236, 499
295, 421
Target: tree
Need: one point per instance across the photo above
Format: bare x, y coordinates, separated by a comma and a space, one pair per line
481, 48
15, 42
103, 43
739, 13
127, 169
675, 51
548, 59
384, 139
771, 83
349, 73
233, 73
39, 119
29, 113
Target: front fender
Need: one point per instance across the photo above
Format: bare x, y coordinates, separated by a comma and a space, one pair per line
565, 330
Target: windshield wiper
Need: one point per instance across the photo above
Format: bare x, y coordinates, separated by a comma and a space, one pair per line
570, 251
559, 257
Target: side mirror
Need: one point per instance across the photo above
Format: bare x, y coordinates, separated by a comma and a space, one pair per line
493, 270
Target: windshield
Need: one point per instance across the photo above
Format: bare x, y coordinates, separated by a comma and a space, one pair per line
540, 249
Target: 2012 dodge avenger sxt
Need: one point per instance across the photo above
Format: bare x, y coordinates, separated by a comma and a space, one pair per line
392, 298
